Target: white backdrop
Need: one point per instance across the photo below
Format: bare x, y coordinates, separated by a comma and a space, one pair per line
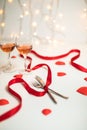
73, 24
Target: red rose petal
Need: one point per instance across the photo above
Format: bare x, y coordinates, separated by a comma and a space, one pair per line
85, 78
4, 102
18, 76
46, 111
13, 56
82, 90
60, 63
61, 73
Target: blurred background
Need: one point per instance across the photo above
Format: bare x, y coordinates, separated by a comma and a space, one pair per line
44, 21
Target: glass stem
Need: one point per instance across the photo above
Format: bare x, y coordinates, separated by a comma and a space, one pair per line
9, 59
25, 65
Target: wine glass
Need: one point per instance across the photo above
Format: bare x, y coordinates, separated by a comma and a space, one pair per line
24, 48
7, 47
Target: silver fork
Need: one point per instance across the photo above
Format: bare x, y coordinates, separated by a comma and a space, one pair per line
42, 84
38, 85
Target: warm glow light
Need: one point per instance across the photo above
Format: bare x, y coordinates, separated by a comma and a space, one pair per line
2, 24
37, 42
34, 24
84, 9
48, 38
21, 33
49, 7
10, 1
62, 28
57, 26
12, 35
24, 5
60, 15
26, 13
35, 33
55, 41
37, 11
1, 11
46, 18
54, 21
21, 16
84, 14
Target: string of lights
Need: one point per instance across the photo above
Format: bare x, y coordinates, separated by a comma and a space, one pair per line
46, 12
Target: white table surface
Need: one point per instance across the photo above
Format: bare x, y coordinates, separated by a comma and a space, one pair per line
68, 114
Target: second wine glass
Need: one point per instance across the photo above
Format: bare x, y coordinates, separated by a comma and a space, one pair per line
24, 49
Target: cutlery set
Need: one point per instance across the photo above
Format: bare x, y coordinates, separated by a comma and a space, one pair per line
39, 83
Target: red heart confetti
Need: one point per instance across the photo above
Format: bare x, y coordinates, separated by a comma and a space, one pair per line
46, 111
18, 75
82, 90
13, 56
60, 63
4, 102
61, 73
85, 78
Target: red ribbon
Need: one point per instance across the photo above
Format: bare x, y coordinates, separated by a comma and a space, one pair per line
48, 80
77, 66
28, 89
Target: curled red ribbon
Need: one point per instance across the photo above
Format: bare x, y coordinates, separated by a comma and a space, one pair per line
28, 89
77, 66
48, 80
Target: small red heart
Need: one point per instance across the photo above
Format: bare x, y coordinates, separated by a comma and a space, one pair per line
82, 90
60, 63
13, 56
18, 75
46, 111
85, 78
61, 73
4, 102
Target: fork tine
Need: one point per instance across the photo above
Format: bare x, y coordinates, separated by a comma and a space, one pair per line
39, 79
38, 85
